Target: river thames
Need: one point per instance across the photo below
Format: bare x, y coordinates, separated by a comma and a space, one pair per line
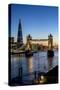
39, 62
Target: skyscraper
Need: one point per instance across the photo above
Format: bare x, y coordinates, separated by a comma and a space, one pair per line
19, 36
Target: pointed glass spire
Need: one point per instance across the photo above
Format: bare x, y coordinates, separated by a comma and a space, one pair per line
19, 37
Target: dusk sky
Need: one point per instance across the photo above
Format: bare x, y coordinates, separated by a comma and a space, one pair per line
38, 21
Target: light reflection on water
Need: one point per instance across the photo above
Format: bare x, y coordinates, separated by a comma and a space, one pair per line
39, 62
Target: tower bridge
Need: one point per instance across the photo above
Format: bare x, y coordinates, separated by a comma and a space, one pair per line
41, 42
48, 41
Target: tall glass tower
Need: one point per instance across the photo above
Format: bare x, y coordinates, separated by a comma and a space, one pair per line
19, 36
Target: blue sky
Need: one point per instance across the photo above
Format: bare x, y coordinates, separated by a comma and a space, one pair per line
39, 21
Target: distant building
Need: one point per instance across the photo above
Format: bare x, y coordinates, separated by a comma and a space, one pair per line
11, 39
13, 44
19, 36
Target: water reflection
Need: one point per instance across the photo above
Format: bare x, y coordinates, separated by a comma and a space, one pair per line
50, 62
30, 64
38, 62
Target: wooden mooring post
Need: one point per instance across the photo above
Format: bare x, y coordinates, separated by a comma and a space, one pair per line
20, 75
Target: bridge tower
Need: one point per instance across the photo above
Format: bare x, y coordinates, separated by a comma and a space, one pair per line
50, 52
28, 49
28, 44
50, 42
19, 36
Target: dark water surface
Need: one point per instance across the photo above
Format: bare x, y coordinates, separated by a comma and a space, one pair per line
38, 62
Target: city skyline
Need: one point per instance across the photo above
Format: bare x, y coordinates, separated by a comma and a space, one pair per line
38, 21
33, 45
